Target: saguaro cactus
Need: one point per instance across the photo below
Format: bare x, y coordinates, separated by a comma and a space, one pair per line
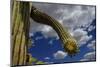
21, 12
20, 29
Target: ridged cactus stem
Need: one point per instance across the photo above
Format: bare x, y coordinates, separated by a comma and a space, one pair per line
69, 43
20, 30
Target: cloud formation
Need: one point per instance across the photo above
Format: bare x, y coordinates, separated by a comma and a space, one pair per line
91, 28
74, 17
81, 36
60, 55
91, 56
77, 18
47, 58
92, 45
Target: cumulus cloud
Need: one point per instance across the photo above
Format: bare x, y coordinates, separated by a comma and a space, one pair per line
89, 56
74, 17
71, 16
37, 38
31, 34
47, 58
45, 29
81, 36
91, 28
92, 45
60, 55
51, 42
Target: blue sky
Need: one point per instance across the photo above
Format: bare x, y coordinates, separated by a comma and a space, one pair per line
81, 23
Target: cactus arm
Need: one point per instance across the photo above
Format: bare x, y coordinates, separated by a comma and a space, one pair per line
69, 43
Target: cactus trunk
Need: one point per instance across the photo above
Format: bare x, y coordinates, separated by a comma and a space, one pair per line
20, 29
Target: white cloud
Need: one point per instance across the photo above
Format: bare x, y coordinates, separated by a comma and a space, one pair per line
72, 17
51, 42
76, 15
46, 28
92, 45
60, 55
91, 27
47, 58
37, 38
84, 39
89, 56
84, 60
81, 36
31, 34
79, 33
